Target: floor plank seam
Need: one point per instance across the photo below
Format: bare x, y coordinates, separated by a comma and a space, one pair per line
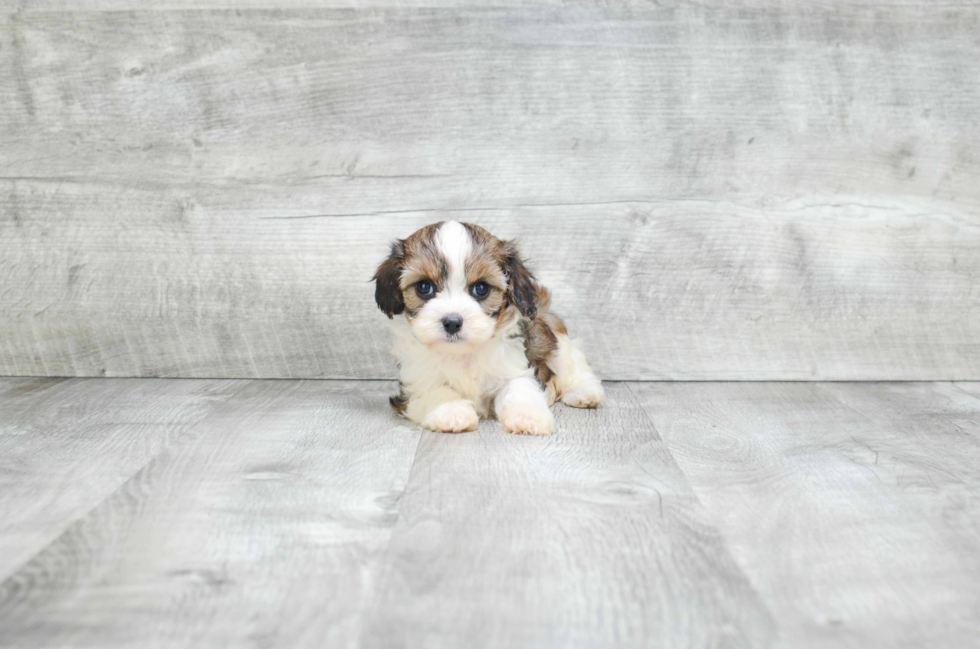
777, 628
88, 512
384, 559
956, 384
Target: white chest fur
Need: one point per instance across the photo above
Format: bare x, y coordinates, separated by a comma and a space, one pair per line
475, 374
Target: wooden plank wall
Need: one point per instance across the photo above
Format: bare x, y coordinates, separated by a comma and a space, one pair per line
748, 190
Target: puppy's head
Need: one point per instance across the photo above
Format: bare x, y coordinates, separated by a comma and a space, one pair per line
455, 282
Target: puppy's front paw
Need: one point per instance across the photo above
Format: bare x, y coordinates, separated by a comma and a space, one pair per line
452, 417
550, 393
584, 392
527, 420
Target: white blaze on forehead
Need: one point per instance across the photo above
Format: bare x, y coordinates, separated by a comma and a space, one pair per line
453, 241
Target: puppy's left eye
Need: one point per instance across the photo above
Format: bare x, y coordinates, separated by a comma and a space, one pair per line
425, 289
480, 290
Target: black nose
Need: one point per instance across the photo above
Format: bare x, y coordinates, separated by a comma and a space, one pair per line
452, 323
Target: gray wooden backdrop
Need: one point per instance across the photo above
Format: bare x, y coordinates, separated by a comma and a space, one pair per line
744, 190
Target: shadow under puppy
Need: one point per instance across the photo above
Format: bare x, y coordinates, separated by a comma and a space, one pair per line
473, 334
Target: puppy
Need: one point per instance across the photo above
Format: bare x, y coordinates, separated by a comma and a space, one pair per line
473, 334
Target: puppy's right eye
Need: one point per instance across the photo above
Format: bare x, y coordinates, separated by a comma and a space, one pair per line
425, 288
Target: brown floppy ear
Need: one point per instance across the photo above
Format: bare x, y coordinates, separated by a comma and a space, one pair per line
387, 292
520, 282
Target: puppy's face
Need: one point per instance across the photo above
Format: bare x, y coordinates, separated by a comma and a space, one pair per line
454, 282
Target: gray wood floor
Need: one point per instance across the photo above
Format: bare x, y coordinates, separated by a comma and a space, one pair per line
145, 513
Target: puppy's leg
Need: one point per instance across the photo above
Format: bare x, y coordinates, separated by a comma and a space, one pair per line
522, 408
442, 410
576, 384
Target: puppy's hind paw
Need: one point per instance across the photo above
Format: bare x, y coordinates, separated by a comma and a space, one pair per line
452, 417
536, 421
586, 392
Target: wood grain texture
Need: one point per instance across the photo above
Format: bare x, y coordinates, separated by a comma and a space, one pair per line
262, 527
387, 109
730, 193
66, 445
590, 538
129, 5
691, 290
852, 508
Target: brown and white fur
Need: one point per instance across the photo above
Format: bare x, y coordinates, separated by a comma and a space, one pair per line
464, 354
